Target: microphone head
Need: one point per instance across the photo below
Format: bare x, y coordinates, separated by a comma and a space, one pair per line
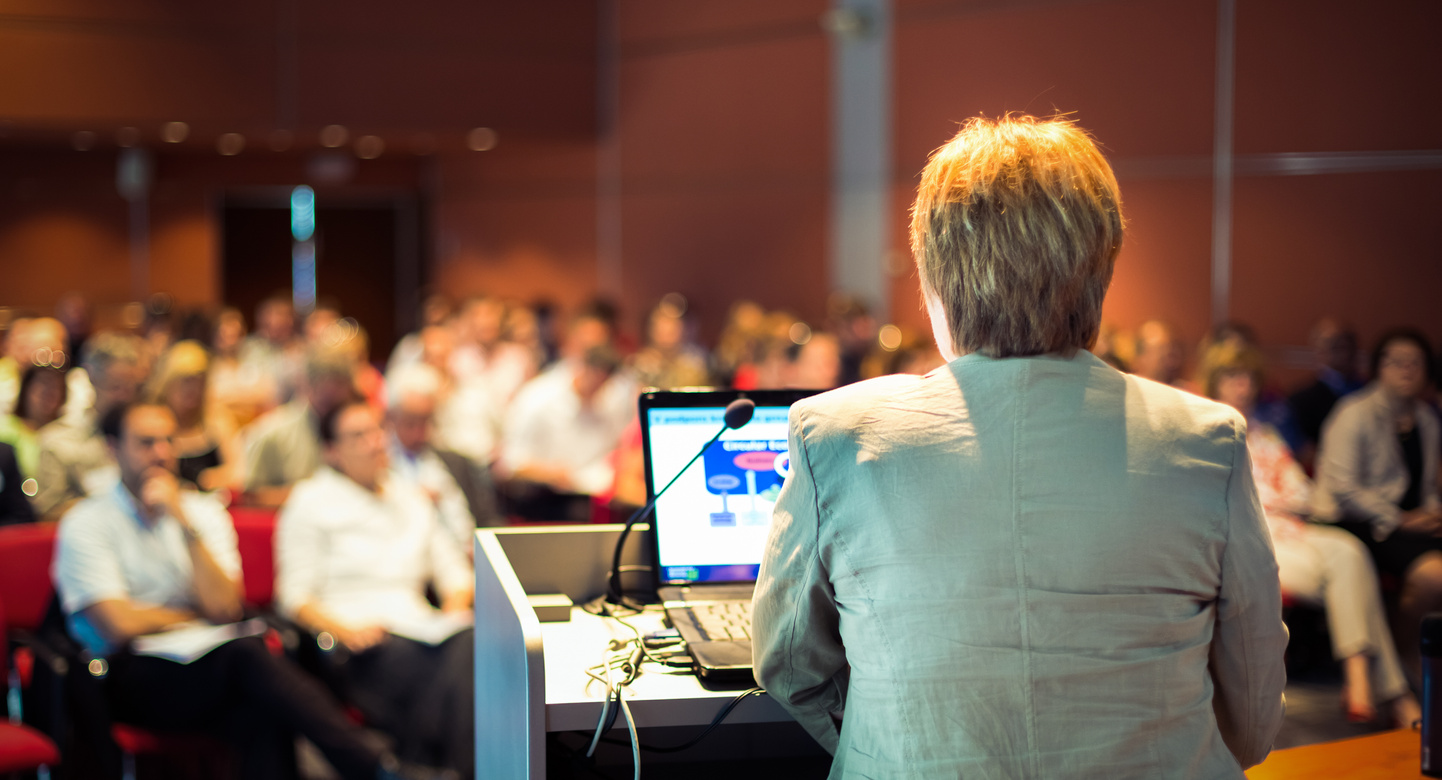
739, 412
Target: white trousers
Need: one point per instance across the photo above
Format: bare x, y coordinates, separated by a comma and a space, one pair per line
1331, 568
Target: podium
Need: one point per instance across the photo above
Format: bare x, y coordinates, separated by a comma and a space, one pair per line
530, 677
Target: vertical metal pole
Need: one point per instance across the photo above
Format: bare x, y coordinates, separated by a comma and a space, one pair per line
1222, 161
609, 271
134, 172
861, 150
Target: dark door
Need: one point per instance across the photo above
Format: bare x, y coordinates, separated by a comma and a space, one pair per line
359, 250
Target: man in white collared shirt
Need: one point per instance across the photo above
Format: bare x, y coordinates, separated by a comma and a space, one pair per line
414, 393
144, 558
355, 551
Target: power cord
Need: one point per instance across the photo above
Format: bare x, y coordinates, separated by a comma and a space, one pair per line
625, 656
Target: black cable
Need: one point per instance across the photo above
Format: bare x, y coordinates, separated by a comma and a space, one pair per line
716, 721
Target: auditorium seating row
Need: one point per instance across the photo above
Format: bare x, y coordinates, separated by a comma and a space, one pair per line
26, 596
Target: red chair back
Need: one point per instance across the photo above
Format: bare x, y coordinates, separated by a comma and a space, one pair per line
25, 586
255, 538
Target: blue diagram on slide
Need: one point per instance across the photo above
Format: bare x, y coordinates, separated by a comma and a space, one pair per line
748, 469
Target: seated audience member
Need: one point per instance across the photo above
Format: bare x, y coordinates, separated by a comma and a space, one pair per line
355, 551
1318, 564
74, 458
347, 336
73, 311
207, 445
669, 358
1026, 564
14, 504
912, 353
565, 423
28, 342
42, 396
318, 322
1334, 346
245, 390
145, 557
740, 345
435, 311
816, 364
1112, 347
273, 349
1377, 477
483, 357
283, 446
855, 329
1159, 355
413, 398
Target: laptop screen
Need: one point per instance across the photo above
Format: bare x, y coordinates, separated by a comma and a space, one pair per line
711, 526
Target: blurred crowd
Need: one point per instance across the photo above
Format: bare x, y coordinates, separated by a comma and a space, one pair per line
492, 411
531, 411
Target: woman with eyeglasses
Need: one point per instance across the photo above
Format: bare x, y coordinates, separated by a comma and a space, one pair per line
1377, 477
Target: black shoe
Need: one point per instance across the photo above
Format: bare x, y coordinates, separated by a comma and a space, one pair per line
392, 768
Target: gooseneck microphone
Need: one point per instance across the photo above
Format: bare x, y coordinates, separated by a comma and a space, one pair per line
738, 413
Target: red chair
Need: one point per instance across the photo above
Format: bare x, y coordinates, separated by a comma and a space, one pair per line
22, 748
255, 538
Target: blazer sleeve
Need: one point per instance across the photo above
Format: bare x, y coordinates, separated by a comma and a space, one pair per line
1341, 461
1246, 660
796, 640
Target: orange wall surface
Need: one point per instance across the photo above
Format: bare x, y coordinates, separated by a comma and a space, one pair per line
723, 132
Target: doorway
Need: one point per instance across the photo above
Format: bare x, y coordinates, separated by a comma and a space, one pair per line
367, 258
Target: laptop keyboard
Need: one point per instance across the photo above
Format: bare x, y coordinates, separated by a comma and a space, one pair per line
722, 620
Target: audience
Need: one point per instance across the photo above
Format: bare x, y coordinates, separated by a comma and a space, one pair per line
566, 422
670, 359
14, 504
1159, 354
244, 390
74, 458
1377, 477
207, 446
42, 396
284, 447
469, 401
147, 557
1317, 564
413, 398
1334, 347
355, 552
273, 350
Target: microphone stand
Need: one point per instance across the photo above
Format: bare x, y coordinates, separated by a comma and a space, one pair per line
738, 413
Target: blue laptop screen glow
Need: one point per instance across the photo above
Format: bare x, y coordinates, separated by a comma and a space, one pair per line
712, 525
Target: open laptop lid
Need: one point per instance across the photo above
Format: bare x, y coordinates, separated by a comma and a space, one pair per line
711, 526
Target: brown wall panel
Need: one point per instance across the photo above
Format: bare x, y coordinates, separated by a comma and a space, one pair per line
518, 221
1360, 246
667, 25
1334, 75
1138, 75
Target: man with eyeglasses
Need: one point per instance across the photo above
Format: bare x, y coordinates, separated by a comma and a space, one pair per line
355, 553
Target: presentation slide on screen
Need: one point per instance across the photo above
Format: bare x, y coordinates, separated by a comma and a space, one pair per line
719, 511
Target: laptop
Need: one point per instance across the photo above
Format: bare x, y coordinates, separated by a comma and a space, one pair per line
710, 528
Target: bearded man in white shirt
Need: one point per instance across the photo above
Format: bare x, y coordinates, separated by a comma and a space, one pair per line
355, 552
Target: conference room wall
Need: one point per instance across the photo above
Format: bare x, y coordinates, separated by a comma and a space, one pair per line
724, 139
724, 150
1147, 99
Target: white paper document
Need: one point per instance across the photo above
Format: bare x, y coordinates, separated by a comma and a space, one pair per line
189, 641
433, 629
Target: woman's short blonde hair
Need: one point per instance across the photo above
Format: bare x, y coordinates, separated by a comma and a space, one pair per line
1229, 357
1016, 228
183, 359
